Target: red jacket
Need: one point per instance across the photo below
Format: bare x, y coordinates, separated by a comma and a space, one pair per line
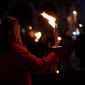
16, 66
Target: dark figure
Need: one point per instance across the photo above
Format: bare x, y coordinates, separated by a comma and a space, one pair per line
30, 43
67, 49
41, 47
49, 43
16, 62
79, 45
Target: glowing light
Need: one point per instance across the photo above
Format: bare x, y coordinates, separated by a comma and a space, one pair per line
80, 25
57, 71
30, 27
31, 33
74, 12
36, 40
75, 16
50, 19
77, 33
59, 38
74, 33
38, 35
77, 29
23, 30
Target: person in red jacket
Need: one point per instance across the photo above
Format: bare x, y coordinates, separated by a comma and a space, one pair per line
16, 62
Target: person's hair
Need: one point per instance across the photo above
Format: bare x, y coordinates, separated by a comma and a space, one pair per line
9, 33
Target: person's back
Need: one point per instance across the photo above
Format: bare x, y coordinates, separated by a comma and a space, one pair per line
16, 62
13, 69
5, 69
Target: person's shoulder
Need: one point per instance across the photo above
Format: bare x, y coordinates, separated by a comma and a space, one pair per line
19, 48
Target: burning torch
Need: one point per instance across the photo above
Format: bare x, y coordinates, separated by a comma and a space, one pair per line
51, 21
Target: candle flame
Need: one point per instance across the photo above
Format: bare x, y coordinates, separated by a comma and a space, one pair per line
50, 19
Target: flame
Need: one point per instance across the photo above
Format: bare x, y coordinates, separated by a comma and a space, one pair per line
38, 35
51, 19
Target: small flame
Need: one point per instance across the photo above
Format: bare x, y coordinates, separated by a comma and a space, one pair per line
50, 18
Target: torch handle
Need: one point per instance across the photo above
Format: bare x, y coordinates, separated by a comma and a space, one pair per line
56, 36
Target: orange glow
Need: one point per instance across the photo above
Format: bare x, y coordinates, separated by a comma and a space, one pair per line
57, 71
31, 33
50, 19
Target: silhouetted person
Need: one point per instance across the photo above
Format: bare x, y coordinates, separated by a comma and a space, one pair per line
30, 43
67, 49
41, 47
80, 47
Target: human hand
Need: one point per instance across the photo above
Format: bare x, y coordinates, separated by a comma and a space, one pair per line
58, 51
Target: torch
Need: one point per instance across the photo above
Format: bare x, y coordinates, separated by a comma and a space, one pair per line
51, 21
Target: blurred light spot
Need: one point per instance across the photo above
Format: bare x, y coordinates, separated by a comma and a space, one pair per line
73, 37
30, 27
74, 33
74, 12
31, 33
57, 71
59, 38
23, 30
56, 25
77, 33
80, 25
36, 40
38, 35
